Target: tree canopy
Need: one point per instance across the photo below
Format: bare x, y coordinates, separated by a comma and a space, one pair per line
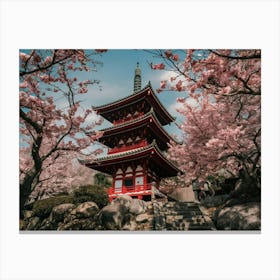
50, 133
222, 110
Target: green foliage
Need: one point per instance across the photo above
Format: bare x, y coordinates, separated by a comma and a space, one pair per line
42, 208
100, 180
212, 179
96, 194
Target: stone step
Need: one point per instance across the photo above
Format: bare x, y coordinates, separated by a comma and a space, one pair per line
180, 216
188, 209
184, 214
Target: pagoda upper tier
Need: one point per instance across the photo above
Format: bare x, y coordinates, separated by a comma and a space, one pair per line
128, 107
143, 126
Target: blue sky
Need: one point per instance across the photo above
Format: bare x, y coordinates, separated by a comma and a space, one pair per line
117, 77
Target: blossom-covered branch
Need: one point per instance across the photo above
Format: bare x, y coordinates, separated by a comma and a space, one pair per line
221, 103
47, 131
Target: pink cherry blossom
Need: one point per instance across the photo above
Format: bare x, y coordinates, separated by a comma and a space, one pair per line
23, 56
181, 99
83, 90
70, 66
163, 84
175, 57
101, 50
168, 53
222, 113
52, 137
159, 66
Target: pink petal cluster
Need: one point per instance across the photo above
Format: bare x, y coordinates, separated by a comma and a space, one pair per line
159, 66
101, 50
222, 124
52, 136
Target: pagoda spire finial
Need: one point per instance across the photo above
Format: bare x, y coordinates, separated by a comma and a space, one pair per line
137, 78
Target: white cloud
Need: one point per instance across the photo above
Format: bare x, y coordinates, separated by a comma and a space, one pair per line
109, 93
166, 75
192, 102
175, 106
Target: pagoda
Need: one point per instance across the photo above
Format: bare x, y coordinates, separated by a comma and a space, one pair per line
136, 142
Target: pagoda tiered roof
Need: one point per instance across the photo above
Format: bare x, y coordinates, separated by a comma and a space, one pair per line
151, 151
146, 93
144, 120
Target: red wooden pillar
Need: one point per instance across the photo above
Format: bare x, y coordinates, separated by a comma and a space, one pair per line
145, 180
113, 183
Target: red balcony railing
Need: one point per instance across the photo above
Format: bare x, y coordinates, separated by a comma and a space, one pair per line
123, 148
130, 190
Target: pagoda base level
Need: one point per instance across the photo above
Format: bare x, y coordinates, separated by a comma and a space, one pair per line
143, 196
143, 192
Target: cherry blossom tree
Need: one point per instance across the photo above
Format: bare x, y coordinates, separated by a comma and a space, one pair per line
54, 127
221, 103
63, 176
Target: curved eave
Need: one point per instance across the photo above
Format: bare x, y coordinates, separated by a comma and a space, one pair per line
132, 155
134, 123
108, 108
170, 117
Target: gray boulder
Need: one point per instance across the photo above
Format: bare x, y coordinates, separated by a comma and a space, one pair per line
239, 217
114, 216
132, 225
28, 214
33, 223
137, 207
213, 201
79, 224
47, 224
86, 209
125, 200
142, 218
60, 211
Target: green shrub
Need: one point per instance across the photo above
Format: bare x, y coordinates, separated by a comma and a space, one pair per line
42, 208
100, 180
96, 194
81, 199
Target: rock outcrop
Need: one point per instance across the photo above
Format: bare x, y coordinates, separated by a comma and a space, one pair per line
239, 217
214, 201
114, 216
59, 212
125, 213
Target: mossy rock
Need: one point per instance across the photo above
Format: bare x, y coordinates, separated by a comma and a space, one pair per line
96, 194
42, 208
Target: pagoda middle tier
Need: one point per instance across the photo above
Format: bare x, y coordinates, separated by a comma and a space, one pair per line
135, 132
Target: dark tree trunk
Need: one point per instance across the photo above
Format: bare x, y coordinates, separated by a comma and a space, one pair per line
25, 191
26, 187
247, 188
